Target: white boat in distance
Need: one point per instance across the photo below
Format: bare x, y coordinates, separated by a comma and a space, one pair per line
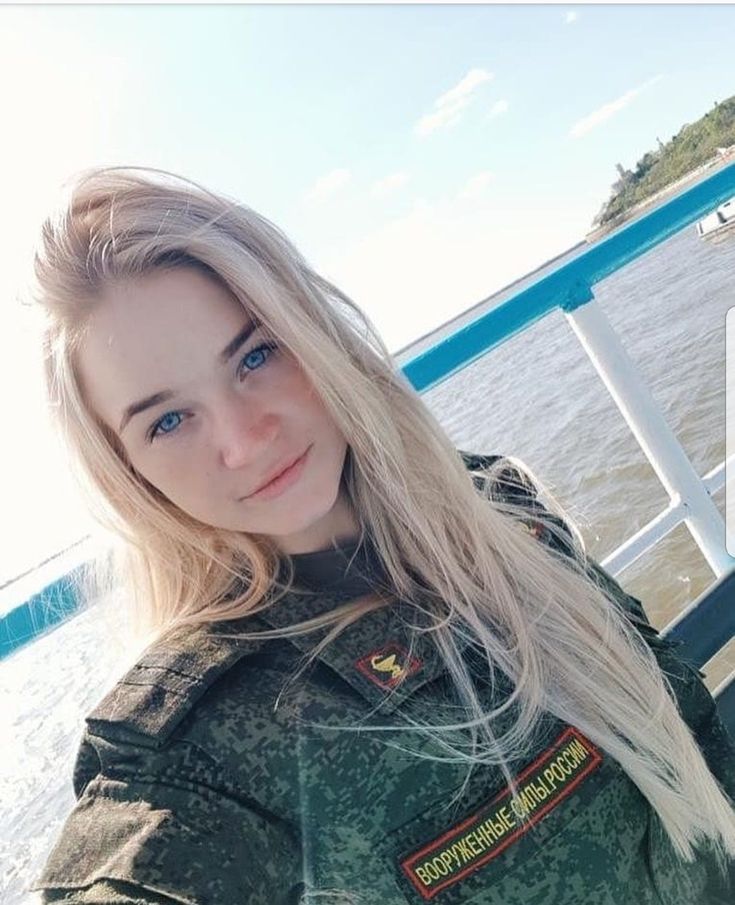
719, 221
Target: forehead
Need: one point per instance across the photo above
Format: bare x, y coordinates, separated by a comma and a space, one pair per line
185, 297
158, 333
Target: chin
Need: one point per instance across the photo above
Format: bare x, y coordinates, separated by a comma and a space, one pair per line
297, 517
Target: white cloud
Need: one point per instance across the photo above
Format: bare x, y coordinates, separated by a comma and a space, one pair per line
604, 113
475, 186
498, 107
448, 107
464, 88
570, 17
328, 185
388, 184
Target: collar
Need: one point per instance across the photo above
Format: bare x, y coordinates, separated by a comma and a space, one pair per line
386, 655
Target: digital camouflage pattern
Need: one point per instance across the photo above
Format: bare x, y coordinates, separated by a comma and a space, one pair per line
191, 788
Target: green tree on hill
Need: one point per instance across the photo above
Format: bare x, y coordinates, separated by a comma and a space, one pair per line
694, 145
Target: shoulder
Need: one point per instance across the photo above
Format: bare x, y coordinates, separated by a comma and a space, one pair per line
158, 692
505, 477
198, 693
151, 796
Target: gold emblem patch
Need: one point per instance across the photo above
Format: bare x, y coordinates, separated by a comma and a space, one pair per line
388, 666
465, 847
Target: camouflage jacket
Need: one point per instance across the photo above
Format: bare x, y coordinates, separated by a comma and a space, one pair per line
193, 788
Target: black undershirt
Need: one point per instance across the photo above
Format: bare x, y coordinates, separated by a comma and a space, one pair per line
347, 569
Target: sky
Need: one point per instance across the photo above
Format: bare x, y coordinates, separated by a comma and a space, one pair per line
420, 156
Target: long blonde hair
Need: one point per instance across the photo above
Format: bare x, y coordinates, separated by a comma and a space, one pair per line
536, 615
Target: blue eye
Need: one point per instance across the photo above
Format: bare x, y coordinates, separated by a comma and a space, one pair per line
165, 425
263, 347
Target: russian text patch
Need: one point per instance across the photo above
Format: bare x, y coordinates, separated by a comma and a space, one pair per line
465, 847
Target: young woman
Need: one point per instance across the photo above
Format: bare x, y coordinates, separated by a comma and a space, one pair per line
482, 715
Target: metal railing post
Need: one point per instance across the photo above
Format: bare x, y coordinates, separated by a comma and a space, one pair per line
659, 443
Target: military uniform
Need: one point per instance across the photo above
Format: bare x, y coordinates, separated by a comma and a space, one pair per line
193, 789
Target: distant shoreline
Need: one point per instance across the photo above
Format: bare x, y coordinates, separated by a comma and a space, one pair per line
716, 163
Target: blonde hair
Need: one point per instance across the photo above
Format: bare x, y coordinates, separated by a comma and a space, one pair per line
459, 554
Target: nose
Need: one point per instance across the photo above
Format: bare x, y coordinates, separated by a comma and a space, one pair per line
243, 433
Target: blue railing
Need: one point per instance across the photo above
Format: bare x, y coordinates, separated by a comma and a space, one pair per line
707, 624
570, 285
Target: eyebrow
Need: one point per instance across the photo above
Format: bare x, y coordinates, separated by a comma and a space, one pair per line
224, 356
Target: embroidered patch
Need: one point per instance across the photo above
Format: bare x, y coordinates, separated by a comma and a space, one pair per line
389, 665
463, 848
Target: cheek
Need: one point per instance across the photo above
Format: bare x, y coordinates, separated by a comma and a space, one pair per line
302, 396
154, 484
177, 471
166, 480
189, 487
302, 388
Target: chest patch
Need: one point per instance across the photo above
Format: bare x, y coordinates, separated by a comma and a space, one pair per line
477, 839
388, 665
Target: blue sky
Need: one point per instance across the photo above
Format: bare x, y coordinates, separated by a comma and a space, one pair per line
420, 156
340, 122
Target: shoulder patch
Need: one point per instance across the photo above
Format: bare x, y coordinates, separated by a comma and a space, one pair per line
157, 693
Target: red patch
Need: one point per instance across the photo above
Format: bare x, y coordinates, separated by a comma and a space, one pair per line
388, 666
463, 848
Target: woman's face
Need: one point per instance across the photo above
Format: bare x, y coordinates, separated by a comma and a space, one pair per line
208, 411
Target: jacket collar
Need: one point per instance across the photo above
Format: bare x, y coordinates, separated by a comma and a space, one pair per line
386, 655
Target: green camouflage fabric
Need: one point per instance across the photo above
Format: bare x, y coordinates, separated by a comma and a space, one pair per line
193, 787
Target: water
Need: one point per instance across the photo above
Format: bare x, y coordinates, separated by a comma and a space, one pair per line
537, 397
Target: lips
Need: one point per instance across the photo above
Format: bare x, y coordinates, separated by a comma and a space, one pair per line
276, 473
